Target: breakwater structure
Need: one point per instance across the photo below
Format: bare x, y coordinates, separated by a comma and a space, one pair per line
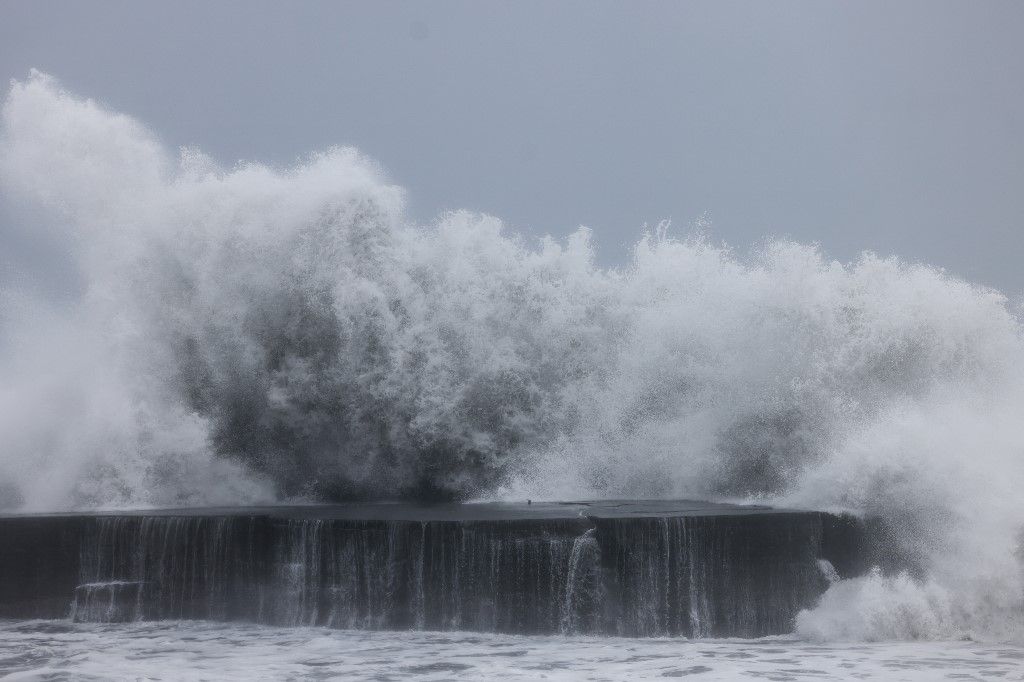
630, 568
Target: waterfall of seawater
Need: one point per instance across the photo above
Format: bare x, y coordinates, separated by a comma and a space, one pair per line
694, 576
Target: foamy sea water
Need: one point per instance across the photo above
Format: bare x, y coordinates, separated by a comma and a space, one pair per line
188, 650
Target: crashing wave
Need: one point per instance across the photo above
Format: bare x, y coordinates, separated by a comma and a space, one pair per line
258, 334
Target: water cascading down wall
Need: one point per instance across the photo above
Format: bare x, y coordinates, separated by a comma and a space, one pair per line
617, 568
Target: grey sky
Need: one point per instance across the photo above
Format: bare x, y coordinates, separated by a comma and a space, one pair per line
891, 126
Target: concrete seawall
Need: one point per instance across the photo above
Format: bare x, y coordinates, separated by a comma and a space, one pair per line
633, 568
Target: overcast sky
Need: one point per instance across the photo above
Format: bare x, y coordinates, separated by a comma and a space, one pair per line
891, 126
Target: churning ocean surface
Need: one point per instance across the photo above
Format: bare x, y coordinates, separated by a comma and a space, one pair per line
192, 650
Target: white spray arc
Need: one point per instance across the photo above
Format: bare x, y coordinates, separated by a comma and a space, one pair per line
257, 334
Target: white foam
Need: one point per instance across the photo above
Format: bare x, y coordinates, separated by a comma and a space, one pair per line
185, 650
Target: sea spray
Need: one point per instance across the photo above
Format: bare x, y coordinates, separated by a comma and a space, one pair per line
252, 334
